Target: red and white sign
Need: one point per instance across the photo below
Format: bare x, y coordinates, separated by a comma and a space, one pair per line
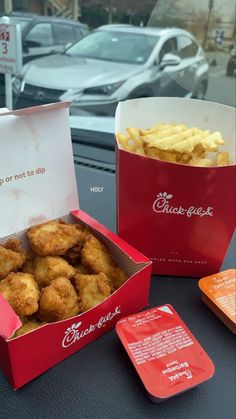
10, 49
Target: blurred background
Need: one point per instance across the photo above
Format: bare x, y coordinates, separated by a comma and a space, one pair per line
49, 27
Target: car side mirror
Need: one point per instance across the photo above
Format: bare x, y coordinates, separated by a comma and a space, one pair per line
30, 44
169, 59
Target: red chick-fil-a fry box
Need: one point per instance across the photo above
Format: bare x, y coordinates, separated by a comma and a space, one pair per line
182, 217
167, 357
219, 294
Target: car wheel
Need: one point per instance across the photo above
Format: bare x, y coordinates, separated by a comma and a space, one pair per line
230, 69
200, 92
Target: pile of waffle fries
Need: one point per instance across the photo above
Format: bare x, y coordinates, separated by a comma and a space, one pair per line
176, 143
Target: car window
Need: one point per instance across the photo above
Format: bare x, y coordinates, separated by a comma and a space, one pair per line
63, 33
41, 34
169, 46
115, 46
186, 47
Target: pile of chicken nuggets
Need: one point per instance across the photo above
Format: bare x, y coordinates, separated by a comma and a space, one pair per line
66, 271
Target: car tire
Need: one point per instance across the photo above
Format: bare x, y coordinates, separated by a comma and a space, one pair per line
230, 69
201, 89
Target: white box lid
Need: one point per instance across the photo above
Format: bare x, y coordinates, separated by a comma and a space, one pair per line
37, 176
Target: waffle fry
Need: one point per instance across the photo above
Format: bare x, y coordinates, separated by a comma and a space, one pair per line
176, 144
167, 136
201, 162
132, 144
222, 159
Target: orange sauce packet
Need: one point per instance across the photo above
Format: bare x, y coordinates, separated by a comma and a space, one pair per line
219, 293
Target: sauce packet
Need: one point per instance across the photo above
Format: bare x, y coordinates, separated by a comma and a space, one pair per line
219, 293
167, 357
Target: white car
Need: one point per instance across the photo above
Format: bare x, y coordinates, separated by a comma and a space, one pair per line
114, 63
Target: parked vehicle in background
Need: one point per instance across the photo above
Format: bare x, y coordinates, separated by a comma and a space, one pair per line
231, 65
113, 63
43, 35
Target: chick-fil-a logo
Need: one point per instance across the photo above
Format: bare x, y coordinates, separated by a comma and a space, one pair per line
162, 205
73, 334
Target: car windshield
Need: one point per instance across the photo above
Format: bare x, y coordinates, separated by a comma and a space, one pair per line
122, 47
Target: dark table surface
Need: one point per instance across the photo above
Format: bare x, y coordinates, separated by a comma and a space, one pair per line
99, 381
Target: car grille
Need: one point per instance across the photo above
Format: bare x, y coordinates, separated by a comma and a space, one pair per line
42, 93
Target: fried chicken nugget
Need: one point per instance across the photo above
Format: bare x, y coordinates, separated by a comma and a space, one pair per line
92, 289
97, 258
27, 327
14, 244
10, 261
22, 293
48, 268
73, 254
53, 238
81, 269
117, 277
58, 301
28, 266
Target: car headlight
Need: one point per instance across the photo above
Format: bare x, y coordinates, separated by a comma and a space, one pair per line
108, 89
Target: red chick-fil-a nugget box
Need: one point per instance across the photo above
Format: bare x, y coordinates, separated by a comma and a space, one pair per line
167, 357
182, 217
38, 184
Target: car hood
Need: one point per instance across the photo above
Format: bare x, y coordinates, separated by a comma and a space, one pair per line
66, 72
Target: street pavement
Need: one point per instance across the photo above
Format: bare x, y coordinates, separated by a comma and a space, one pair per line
221, 88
